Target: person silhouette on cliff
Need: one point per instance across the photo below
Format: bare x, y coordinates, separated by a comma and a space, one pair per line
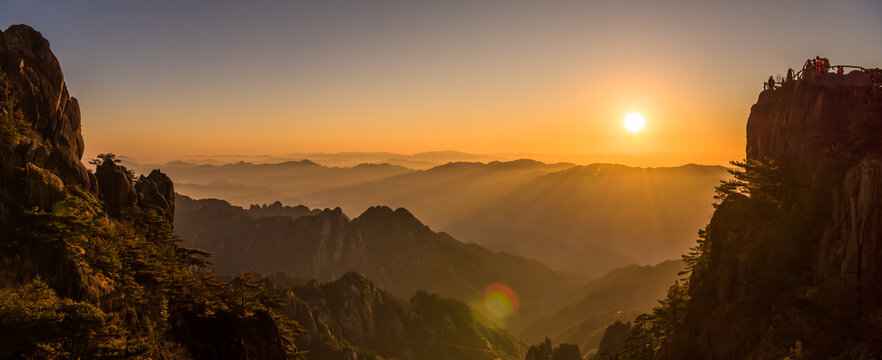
771, 83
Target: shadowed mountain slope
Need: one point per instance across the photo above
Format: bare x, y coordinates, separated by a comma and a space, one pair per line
619, 295
352, 316
390, 246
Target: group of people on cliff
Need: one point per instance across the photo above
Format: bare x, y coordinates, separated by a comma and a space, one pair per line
819, 64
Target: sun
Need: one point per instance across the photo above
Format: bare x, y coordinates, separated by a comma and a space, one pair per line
634, 122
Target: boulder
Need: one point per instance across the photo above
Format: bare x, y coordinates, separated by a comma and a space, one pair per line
115, 188
156, 192
42, 187
34, 74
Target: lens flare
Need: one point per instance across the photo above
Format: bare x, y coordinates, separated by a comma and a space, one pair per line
500, 301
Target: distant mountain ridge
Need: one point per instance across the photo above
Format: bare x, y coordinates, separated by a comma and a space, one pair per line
618, 296
586, 219
642, 215
392, 247
416, 161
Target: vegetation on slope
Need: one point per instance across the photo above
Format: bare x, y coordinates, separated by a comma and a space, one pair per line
352, 316
763, 216
77, 283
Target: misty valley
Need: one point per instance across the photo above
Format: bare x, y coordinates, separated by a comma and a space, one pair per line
441, 255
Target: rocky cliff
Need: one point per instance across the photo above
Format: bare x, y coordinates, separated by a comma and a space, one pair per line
798, 270
544, 351
350, 318
42, 136
89, 266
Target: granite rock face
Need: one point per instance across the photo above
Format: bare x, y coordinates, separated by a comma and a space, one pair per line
157, 192
55, 141
826, 130
810, 269
115, 188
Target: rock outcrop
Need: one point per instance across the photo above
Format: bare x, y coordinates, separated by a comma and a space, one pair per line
545, 351
613, 341
121, 192
54, 142
351, 318
115, 188
156, 192
806, 270
87, 272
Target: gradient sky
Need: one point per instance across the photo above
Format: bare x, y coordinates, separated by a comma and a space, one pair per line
171, 79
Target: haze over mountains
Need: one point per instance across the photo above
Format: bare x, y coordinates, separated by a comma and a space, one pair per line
401, 255
418, 161
617, 296
586, 219
390, 246
440, 255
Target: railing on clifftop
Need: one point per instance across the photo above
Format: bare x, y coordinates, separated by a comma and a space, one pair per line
875, 76
800, 73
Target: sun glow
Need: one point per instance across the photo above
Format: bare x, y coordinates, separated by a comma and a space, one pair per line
635, 122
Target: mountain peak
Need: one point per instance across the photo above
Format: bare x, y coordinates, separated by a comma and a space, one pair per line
304, 162
382, 212
357, 279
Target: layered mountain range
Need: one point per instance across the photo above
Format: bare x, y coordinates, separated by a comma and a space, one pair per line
619, 295
91, 268
391, 247
586, 219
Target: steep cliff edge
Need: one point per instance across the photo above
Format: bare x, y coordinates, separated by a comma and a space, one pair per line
794, 265
51, 138
89, 265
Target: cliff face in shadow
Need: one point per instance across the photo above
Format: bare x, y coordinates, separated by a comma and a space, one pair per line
802, 269
89, 265
351, 318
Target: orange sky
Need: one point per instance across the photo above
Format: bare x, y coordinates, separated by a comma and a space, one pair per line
166, 80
